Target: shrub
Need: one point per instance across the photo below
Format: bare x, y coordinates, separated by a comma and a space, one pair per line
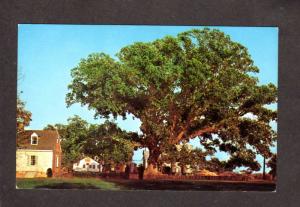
49, 173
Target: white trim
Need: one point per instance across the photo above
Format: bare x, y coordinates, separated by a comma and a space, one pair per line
57, 161
34, 135
58, 137
34, 150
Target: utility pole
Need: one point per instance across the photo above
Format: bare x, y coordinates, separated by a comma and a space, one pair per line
264, 169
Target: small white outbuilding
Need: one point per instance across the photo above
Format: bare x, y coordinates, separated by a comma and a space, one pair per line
87, 164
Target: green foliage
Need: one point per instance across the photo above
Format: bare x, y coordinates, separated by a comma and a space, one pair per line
109, 143
23, 116
245, 158
184, 154
215, 165
73, 136
106, 141
83, 183
197, 84
272, 163
49, 127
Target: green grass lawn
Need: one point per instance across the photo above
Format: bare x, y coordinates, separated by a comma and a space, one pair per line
195, 185
121, 184
65, 183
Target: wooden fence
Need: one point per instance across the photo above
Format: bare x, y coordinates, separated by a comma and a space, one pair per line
171, 177
195, 177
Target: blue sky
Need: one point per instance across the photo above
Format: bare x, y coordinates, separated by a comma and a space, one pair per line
47, 53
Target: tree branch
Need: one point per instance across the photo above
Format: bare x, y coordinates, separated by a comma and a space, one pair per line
200, 132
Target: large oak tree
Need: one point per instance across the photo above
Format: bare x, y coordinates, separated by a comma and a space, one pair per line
197, 84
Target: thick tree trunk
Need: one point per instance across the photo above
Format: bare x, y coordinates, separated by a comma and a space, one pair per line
152, 168
122, 167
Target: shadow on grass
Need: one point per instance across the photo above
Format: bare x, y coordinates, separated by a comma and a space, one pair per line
121, 184
194, 185
66, 186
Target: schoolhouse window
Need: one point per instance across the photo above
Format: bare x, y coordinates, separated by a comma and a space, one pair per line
83, 166
33, 160
94, 167
34, 140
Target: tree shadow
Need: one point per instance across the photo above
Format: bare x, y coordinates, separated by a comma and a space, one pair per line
67, 186
193, 186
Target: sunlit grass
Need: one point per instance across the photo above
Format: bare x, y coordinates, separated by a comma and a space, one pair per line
31, 183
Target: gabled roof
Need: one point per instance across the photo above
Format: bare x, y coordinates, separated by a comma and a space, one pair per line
87, 159
46, 139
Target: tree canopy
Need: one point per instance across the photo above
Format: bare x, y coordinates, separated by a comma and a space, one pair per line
199, 83
184, 154
23, 116
105, 142
272, 163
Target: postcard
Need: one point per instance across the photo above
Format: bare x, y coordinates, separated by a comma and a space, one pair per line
138, 107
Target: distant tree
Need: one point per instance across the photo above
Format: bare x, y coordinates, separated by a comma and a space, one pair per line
109, 143
246, 160
197, 84
184, 155
23, 116
105, 141
272, 163
215, 165
49, 127
73, 136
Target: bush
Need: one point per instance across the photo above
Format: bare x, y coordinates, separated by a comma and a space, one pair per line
49, 173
